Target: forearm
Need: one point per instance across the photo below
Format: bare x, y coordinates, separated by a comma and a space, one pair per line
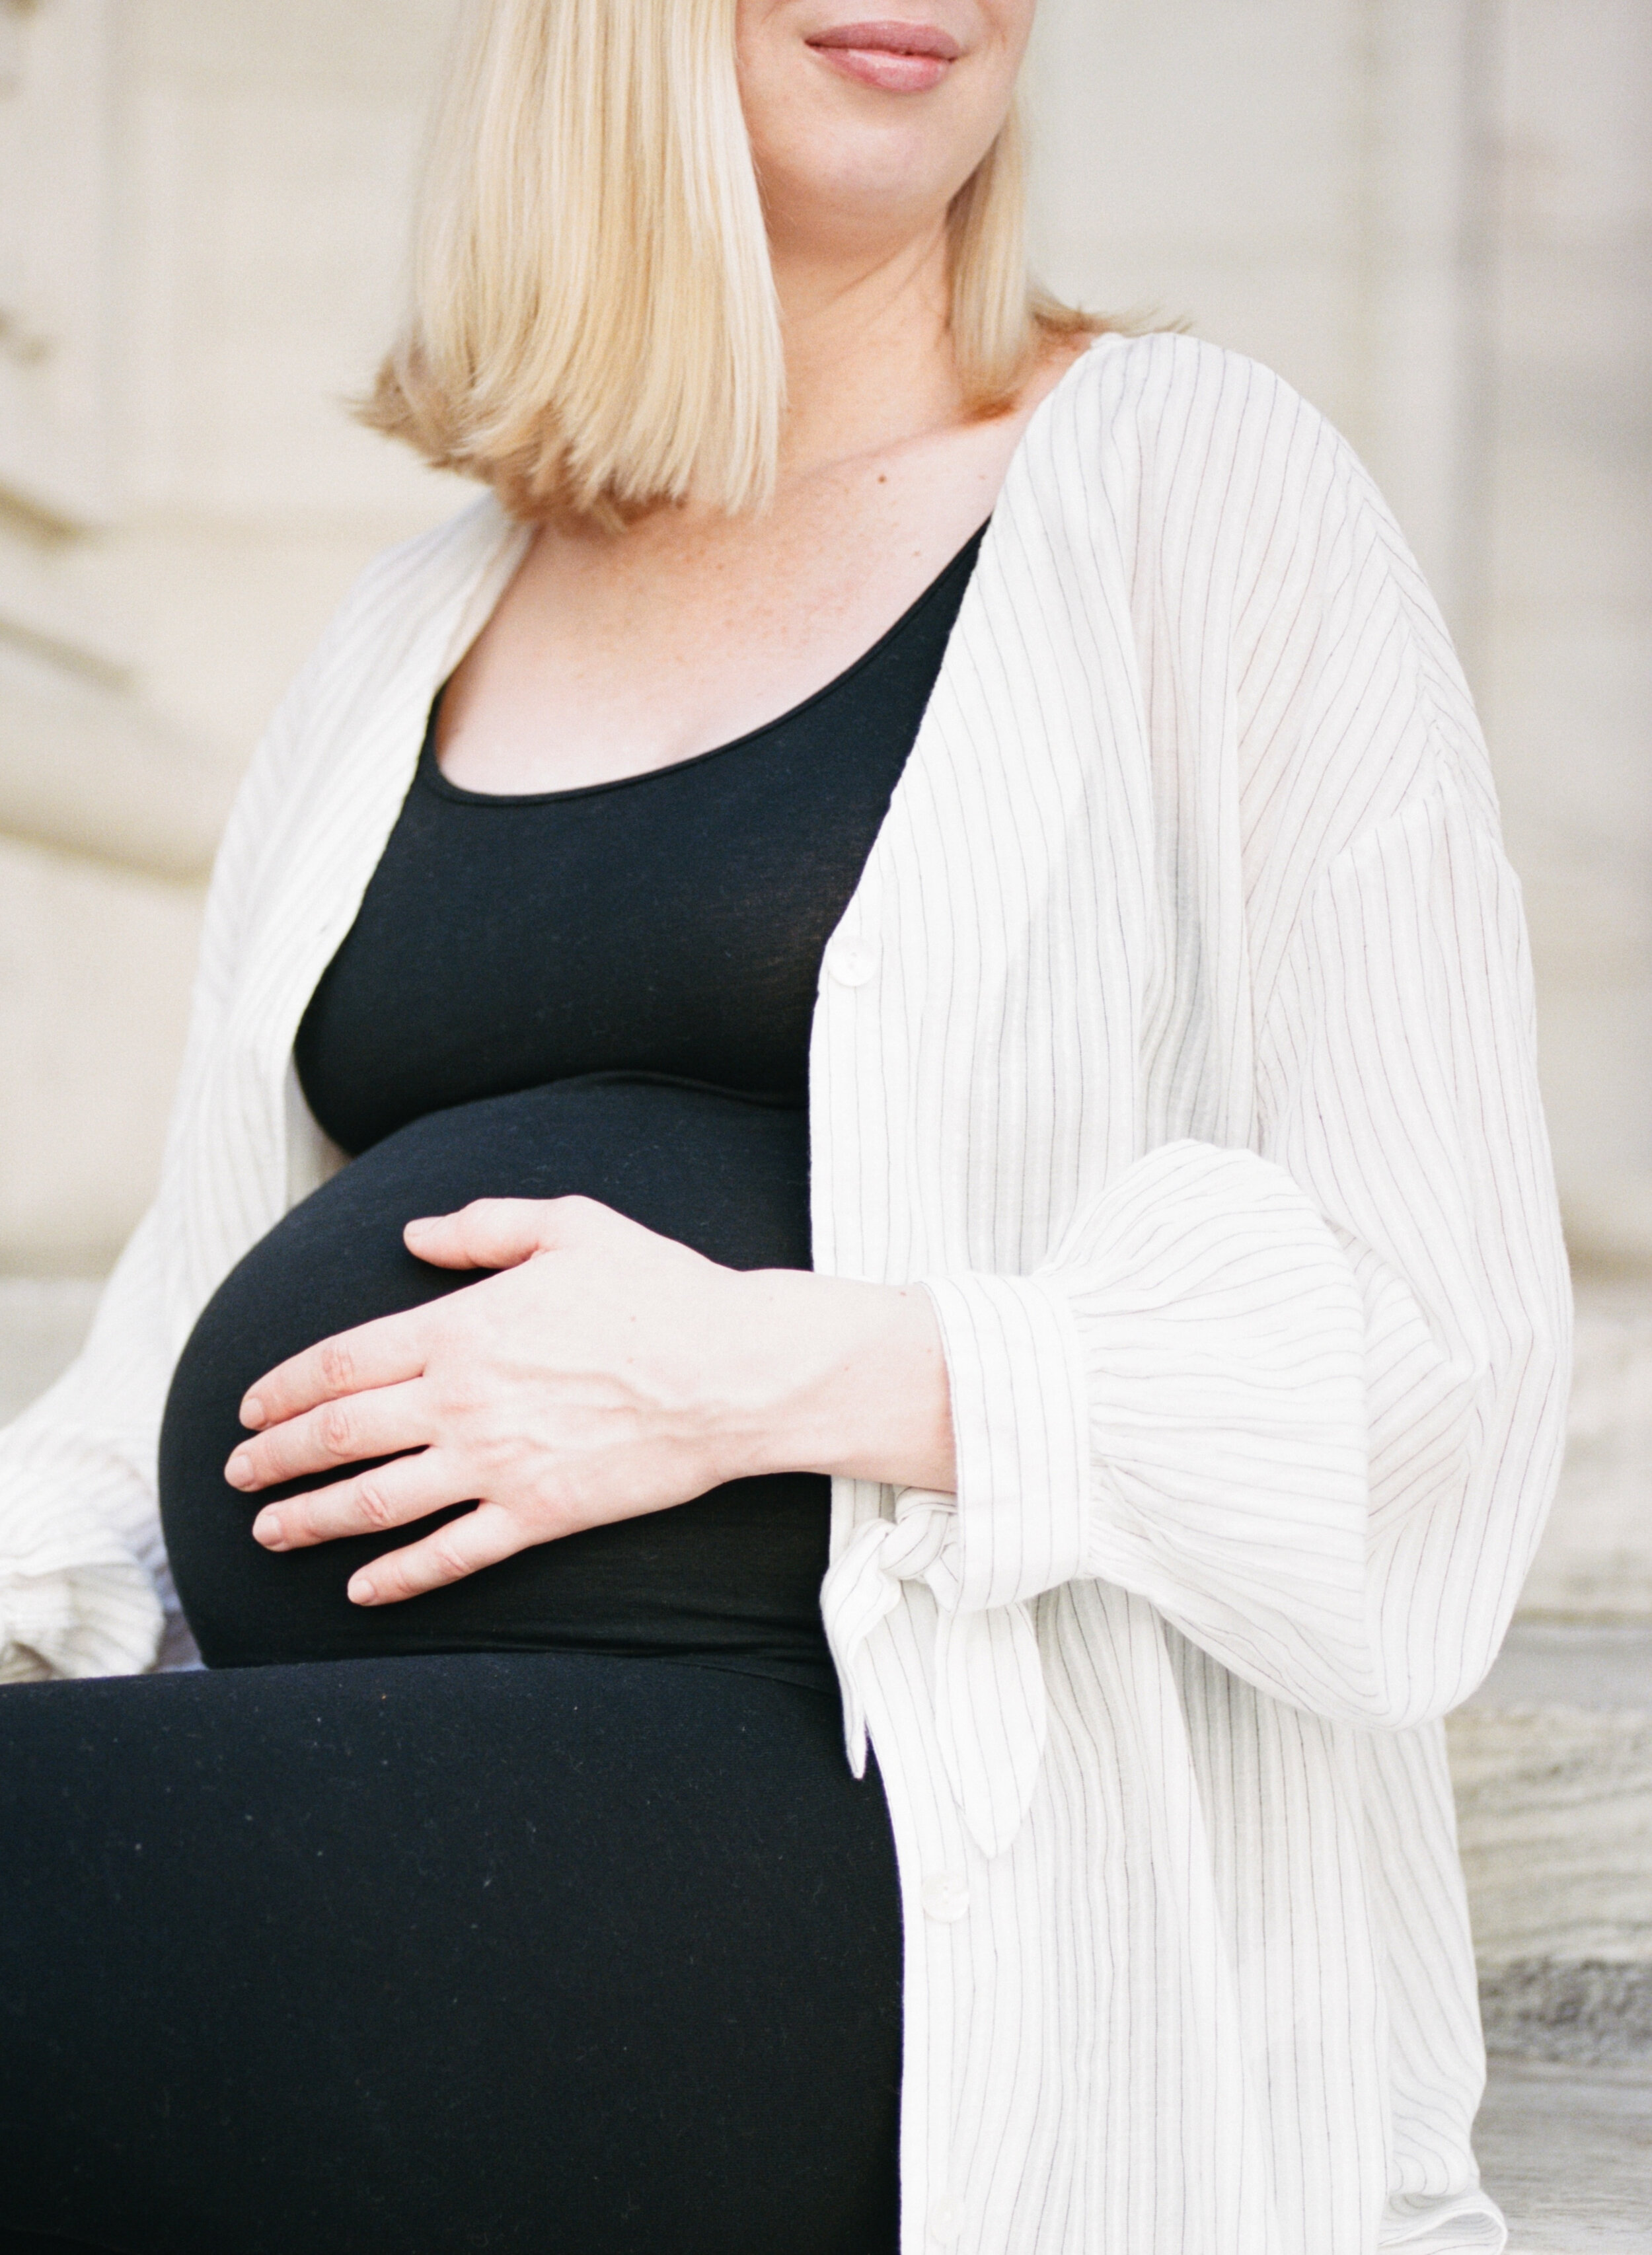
848, 1378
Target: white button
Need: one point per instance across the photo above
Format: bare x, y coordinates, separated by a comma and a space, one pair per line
946, 2219
851, 962
946, 1896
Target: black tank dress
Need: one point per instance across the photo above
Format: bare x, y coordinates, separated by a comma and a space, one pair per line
608, 991
541, 1913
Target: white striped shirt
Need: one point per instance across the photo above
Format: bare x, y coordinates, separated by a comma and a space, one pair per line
1179, 1036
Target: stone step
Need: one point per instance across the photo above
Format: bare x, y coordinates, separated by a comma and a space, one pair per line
1552, 1765
1567, 2150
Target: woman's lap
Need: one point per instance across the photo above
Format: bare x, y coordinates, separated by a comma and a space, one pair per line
477, 1951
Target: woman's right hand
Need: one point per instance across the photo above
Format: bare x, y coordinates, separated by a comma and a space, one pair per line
601, 1372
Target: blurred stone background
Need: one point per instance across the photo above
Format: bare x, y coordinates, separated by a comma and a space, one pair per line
1434, 216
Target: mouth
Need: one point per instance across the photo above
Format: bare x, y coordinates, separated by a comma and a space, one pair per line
897, 57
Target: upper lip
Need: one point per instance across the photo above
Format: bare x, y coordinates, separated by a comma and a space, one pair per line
892, 39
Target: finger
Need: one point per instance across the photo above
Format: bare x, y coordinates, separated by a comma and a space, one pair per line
479, 1538
379, 1423
502, 1233
388, 1495
382, 1354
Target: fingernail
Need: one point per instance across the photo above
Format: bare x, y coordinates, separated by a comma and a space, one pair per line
252, 1412
269, 1531
238, 1471
363, 1592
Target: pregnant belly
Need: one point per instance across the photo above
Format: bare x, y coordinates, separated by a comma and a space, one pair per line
733, 1577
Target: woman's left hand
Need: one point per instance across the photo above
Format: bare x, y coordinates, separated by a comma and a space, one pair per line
603, 1372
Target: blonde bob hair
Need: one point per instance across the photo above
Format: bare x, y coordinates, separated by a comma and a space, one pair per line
593, 322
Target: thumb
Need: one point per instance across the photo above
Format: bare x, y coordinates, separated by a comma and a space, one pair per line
489, 1234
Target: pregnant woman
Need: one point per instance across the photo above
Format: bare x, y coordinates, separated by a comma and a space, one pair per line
855, 1317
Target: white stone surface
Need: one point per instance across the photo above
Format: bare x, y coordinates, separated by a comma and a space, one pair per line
1567, 2152
251, 167
1594, 1666
120, 786
1554, 1812
1433, 216
56, 207
1553, 1764
1563, 643
42, 1322
88, 955
1595, 1560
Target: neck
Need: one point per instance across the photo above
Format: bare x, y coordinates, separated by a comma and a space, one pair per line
869, 351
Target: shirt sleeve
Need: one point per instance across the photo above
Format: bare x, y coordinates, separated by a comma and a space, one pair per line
79, 1545
82, 1565
82, 1570
1307, 1397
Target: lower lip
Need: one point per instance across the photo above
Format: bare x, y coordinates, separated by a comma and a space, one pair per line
880, 66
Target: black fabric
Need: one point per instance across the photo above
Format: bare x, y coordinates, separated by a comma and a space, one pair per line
734, 1577
672, 923
606, 991
529, 1951
485, 1923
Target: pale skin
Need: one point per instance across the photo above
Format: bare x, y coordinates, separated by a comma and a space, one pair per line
602, 1372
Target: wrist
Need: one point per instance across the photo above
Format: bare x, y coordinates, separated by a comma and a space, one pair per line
846, 1377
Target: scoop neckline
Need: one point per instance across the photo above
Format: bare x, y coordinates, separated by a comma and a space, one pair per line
429, 775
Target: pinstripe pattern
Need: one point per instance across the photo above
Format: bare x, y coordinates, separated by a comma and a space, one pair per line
1192, 1074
